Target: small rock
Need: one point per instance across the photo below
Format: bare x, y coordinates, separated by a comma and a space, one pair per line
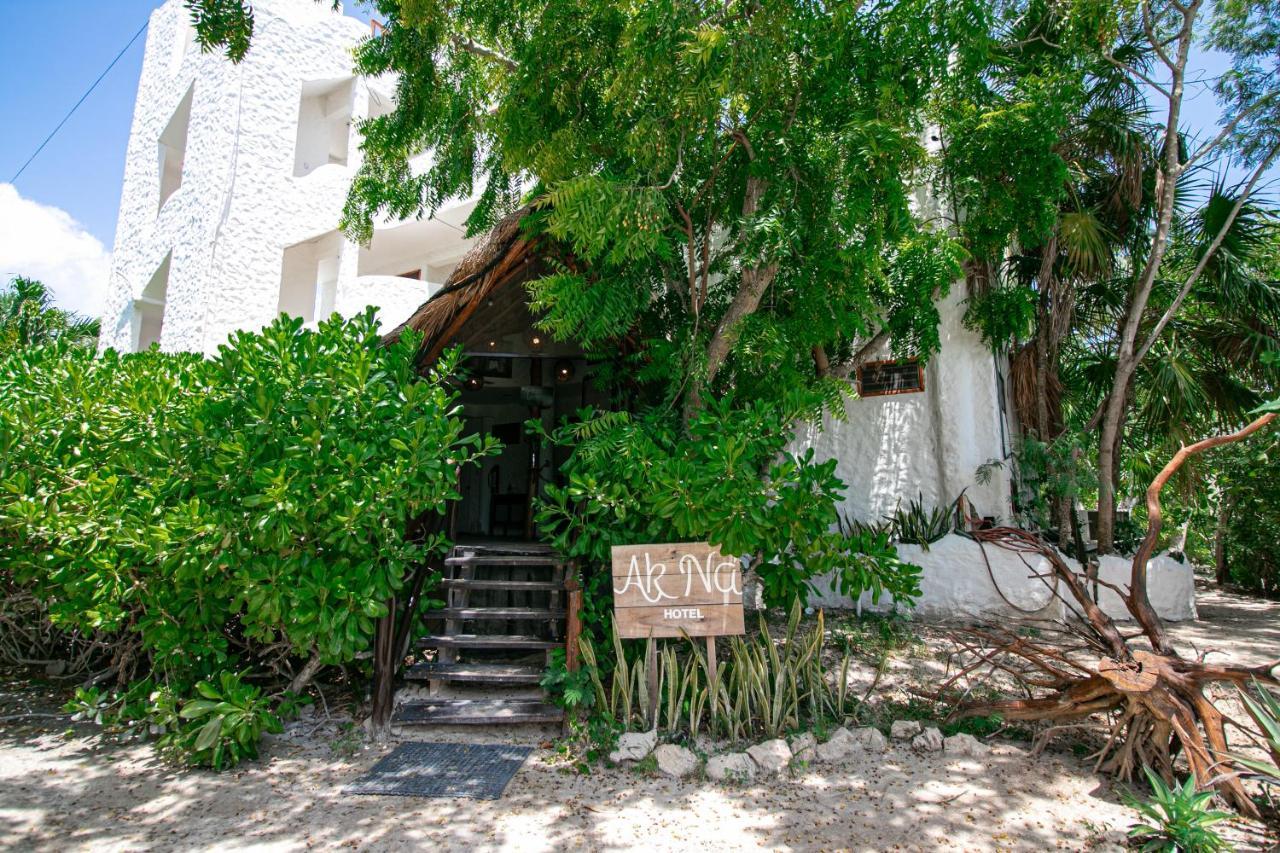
54, 668
676, 761
963, 744
804, 747
772, 756
870, 739
904, 729
633, 746
731, 767
930, 740
838, 747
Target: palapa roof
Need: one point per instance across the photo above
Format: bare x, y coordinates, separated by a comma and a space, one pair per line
503, 256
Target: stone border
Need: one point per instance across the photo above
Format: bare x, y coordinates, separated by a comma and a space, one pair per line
774, 757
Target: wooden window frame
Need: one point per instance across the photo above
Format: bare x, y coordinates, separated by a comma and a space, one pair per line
896, 361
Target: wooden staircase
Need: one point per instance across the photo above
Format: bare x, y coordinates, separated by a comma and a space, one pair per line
505, 613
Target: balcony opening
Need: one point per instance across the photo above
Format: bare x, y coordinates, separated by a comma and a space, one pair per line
309, 277
148, 309
173, 148
324, 125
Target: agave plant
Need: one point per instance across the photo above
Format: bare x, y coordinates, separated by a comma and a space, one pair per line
919, 526
1178, 818
1264, 708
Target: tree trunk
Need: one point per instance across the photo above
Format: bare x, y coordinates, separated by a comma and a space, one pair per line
1226, 503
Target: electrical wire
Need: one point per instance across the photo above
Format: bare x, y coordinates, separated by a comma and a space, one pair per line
72, 111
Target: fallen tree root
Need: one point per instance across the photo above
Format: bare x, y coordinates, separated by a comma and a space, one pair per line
1155, 698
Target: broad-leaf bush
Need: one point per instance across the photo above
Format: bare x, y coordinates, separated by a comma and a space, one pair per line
209, 516
727, 477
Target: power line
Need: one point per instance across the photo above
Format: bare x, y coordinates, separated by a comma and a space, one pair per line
87, 93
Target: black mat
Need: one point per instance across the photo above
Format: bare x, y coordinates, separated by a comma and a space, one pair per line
477, 770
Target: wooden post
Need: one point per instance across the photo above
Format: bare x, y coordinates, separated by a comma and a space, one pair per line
384, 667
573, 622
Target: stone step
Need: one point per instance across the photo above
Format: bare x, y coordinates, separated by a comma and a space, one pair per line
521, 586
475, 712
533, 614
475, 673
488, 641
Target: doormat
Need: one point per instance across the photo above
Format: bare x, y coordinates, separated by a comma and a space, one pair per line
477, 770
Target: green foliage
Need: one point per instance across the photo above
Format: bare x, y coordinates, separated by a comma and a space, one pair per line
916, 525
569, 690
1263, 708
194, 513
762, 687
725, 477
1178, 818
28, 318
222, 726
1002, 314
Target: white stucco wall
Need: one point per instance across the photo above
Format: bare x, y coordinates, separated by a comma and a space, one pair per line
240, 204
956, 583
928, 444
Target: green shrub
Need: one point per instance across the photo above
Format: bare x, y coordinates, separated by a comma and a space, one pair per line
223, 725
1178, 818
198, 515
726, 477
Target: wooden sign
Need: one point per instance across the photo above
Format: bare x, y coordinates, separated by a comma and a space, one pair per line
671, 590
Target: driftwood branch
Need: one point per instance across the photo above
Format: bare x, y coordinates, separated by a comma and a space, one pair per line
1156, 699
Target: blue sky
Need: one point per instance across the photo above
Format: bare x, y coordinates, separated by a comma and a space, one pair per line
52, 52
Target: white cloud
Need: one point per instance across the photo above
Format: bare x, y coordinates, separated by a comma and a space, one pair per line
44, 242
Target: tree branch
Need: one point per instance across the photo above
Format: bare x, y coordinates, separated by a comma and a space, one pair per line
474, 47
1138, 602
1174, 306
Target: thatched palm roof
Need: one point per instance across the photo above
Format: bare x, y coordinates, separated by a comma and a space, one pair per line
499, 259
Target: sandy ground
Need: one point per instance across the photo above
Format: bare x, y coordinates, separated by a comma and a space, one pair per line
66, 790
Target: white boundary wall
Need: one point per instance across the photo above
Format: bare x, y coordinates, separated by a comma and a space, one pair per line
956, 584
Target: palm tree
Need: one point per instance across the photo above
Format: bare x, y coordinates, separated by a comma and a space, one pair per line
28, 318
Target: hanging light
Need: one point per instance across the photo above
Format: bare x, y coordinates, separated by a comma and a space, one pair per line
536, 340
564, 370
474, 383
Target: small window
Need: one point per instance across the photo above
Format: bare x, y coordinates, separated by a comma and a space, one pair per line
880, 378
173, 148
324, 125
148, 309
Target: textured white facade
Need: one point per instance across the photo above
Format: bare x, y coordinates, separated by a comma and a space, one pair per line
928, 445
235, 178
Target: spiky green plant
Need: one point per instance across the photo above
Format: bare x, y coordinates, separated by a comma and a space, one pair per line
1177, 818
917, 525
762, 686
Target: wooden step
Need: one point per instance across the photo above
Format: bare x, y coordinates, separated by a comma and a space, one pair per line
486, 641
475, 712
532, 614
522, 586
475, 673
499, 560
